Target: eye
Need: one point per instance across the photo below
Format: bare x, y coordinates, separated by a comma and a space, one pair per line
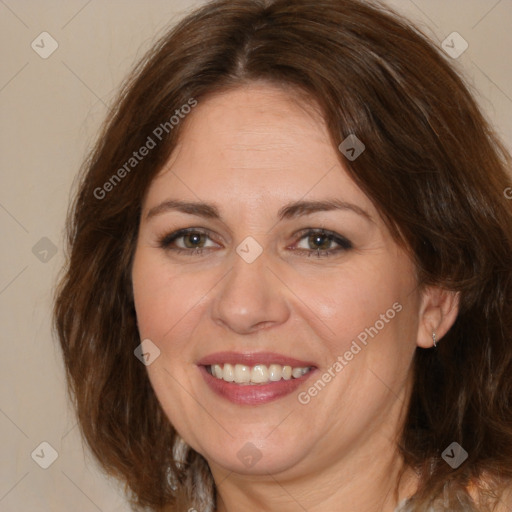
317, 242
322, 243
188, 241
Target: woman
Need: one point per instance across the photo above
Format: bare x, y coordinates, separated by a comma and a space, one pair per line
290, 274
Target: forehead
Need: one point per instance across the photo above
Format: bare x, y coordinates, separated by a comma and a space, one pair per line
255, 125
256, 141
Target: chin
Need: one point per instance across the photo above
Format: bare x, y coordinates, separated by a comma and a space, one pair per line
249, 454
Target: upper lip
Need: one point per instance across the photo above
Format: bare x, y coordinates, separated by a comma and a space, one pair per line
252, 358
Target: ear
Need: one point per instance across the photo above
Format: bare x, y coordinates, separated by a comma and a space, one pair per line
438, 310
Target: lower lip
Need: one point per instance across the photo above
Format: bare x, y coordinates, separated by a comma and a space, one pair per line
256, 394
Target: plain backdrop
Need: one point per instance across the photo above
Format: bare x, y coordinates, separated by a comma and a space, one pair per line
51, 109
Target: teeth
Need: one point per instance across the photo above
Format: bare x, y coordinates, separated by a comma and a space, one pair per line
275, 372
296, 373
258, 374
228, 373
242, 374
217, 371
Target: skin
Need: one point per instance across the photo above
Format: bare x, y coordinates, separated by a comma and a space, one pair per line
250, 151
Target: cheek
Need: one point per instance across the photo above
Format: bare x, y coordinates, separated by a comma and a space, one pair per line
167, 302
344, 303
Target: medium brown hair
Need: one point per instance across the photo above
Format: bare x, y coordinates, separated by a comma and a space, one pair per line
433, 167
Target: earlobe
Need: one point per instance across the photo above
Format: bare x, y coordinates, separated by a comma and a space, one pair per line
438, 311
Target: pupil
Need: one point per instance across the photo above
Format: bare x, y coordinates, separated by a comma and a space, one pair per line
319, 241
193, 239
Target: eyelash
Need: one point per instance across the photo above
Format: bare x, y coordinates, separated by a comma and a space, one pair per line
343, 243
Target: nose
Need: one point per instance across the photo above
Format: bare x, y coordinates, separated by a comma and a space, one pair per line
250, 298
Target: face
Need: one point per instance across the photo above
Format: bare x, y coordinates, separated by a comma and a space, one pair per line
257, 253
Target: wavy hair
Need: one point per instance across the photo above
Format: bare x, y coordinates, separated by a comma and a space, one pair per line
434, 169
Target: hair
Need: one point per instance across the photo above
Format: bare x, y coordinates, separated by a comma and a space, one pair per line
434, 169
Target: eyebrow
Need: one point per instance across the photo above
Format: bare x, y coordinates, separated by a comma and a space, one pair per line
289, 211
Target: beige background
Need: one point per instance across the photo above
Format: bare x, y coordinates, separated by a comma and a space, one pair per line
50, 112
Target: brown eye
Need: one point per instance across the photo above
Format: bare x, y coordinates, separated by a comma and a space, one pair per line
194, 239
189, 240
319, 241
322, 243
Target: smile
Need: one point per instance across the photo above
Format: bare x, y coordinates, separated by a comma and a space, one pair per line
253, 378
258, 374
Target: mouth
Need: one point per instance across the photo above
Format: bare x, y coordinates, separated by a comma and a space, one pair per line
253, 378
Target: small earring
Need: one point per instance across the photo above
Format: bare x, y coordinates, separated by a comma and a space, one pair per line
434, 338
